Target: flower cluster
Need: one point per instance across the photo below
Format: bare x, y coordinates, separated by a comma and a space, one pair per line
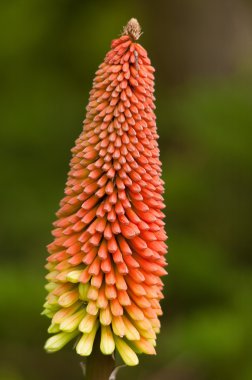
107, 256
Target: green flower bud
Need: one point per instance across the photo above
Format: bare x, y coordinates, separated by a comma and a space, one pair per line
107, 345
128, 355
56, 342
71, 323
85, 344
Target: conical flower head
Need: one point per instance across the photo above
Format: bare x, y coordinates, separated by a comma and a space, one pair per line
107, 256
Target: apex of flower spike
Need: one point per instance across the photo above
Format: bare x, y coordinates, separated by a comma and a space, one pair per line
132, 29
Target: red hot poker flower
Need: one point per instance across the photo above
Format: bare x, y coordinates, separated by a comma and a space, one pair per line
107, 255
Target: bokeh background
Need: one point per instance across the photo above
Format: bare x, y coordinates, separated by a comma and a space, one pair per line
202, 51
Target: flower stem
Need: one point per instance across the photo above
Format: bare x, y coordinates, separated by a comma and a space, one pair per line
99, 366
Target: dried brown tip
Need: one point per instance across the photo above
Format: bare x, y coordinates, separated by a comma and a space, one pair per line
132, 29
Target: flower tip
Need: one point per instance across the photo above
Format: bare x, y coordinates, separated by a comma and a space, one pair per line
56, 342
132, 29
128, 355
107, 344
85, 345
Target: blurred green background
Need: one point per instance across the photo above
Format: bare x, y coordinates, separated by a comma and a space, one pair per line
202, 51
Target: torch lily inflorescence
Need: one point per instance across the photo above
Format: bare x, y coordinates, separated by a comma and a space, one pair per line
107, 256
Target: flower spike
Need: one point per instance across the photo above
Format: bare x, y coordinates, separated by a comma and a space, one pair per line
108, 253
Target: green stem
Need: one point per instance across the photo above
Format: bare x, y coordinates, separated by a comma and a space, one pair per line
99, 366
